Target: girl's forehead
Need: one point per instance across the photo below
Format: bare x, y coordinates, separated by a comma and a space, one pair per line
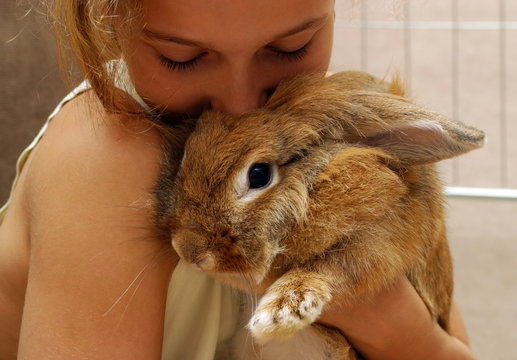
248, 19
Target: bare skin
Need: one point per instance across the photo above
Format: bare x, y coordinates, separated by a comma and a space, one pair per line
81, 275
378, 327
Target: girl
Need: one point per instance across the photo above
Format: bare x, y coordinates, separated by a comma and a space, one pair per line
82, 274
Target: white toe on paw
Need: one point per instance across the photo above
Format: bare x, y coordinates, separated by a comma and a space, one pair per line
281, 316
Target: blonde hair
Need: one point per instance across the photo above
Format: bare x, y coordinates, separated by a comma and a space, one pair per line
86, 40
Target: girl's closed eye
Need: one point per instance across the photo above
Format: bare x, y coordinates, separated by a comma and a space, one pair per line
290, 55
187, 65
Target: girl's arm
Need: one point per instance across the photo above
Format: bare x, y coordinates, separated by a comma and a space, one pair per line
97, 278
395, 324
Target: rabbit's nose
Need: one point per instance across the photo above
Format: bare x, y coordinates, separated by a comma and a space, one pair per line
189, 245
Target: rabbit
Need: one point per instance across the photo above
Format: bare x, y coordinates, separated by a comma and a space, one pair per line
328, 192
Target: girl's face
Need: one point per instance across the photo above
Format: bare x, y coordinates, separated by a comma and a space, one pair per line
228, 55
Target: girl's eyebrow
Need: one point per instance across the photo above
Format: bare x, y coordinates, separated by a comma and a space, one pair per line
157, 35
308, 24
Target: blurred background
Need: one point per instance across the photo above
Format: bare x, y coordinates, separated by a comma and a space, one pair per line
459, 57
31, 84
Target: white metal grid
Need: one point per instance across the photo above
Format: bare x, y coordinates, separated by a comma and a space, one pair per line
454, 25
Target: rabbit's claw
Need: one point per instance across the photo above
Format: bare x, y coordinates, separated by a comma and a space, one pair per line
280, 314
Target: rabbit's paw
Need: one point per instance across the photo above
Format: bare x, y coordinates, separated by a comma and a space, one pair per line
282, 312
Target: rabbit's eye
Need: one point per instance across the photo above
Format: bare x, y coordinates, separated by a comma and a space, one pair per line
259, 175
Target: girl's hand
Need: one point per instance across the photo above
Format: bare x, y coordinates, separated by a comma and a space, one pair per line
395, 324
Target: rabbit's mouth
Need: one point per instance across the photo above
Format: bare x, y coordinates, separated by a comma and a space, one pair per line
236, 272
248, 282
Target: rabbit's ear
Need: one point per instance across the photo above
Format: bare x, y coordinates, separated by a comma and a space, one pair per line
357, 107
411, 133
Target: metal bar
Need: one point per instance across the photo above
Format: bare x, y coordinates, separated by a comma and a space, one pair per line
428, 25
407, 41
364, 35
474, 192
455, 88
502, 94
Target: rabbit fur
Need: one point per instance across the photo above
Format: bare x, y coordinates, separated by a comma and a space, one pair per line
353, 202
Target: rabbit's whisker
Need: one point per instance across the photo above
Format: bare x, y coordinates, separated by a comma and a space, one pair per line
136, 282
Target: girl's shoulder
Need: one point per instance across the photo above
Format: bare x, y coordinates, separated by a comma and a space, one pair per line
89, 153
85, 141
96, 264
85, 128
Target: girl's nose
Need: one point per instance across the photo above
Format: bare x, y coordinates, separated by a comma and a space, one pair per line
240, 92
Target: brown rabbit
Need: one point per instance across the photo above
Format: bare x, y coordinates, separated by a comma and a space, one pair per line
329, 192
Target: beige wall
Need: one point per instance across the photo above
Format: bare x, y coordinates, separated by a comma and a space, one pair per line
30, 83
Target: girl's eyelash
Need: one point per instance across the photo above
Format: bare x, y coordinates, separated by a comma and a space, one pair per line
294, 55
188, 65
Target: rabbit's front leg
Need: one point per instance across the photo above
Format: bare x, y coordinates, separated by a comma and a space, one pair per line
293, 302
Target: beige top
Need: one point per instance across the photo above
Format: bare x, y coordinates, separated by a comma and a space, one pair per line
202, 315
